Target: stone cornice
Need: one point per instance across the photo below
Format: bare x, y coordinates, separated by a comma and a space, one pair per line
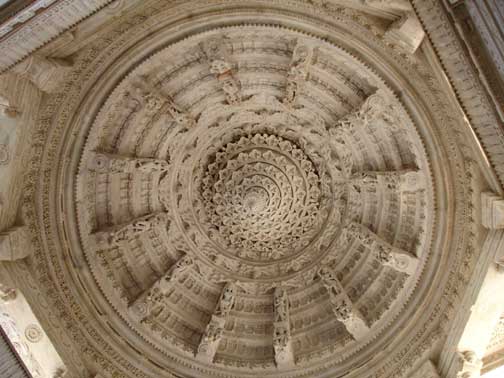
465, 81
39, 23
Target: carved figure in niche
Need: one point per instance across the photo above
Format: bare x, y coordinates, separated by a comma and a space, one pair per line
343, 310
330, 281
280, 338
281, 303
180, 267
226, 301
138, 226
302, 57
384, 254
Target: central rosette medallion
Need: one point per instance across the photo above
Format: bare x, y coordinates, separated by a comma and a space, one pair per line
262, 194
253, 193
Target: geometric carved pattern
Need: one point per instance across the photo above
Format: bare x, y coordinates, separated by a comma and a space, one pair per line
270, 163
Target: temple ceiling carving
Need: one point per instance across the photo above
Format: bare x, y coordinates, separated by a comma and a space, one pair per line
250, 192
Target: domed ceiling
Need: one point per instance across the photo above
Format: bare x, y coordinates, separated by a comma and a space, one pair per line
246, 198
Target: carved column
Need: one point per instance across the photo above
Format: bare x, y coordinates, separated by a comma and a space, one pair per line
151, 300
213, 333
302, 58
14, 244
282, 340
108, 163
45, 73
386, 253
342, 305
120, 233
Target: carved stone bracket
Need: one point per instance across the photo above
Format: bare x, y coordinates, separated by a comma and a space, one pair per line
282, 340
216, 52
406, 179
45, 73
342, 305
157, 102
108, 163
406, 32
302, 58
14, 244
150, 300
470, 365
387, 254
120, 233
213, 333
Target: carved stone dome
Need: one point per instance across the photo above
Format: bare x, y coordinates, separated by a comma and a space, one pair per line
254, 197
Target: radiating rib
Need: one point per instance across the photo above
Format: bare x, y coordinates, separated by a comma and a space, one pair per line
282, 340
216, 52
342, 305
213, 333
157, 102
405, 179
387, 254
102, 162
116, 234
150, 301
302, 58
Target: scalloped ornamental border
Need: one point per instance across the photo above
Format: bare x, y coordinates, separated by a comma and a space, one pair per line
45, 122
93, 138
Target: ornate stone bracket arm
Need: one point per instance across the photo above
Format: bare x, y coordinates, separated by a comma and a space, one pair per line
387, 254
213, 333
108, 163
298, 74
118, 234
406, 179
155, 102
151, 299
282, 340
46, 74
469, 365
343, 308
216, 52
376, 106
406, 32
14, 244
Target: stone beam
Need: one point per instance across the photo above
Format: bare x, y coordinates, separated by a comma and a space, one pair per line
302, 58
216, 52
343, 308
115, 235
14, 244
102, 162
282, 340
405, 179
46, 74
151, 298
213, 333
387, 254
157, 102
